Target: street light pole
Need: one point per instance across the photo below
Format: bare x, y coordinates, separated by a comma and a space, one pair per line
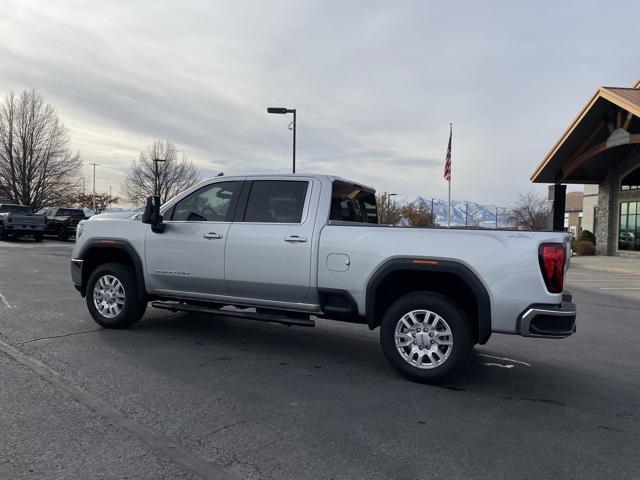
466, 213
389, 195
93, 196
294, 140
282, 111
156, 187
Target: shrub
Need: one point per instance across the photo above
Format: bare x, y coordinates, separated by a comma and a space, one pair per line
586, 235
584, 247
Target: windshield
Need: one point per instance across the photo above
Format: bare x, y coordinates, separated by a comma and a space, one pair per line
70, 212
16, 209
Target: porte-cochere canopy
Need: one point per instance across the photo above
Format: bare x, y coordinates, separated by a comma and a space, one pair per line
600, 136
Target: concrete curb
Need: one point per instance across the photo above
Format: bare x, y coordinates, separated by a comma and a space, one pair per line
603, 269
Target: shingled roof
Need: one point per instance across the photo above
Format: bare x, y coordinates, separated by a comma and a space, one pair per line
608, 125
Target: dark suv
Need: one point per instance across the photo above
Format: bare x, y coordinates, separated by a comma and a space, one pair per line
62, 222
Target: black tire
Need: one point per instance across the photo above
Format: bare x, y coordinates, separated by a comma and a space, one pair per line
63, 236
3, 232
133, 308
38, 237
457, 322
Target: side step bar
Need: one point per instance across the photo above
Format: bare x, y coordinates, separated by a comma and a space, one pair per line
265, 317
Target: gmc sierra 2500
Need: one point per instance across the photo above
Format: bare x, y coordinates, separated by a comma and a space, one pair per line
296, 246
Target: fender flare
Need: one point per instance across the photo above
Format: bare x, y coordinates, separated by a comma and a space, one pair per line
432, 265
116, 244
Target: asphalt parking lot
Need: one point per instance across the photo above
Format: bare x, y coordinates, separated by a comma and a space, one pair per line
188, 396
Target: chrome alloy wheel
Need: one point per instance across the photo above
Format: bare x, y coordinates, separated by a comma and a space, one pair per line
423, 339
108, 296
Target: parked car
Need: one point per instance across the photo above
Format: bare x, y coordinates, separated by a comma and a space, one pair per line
19, 220
62, 221
294, 246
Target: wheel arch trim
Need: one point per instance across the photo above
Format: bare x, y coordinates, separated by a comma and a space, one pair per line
114, 244
432, 265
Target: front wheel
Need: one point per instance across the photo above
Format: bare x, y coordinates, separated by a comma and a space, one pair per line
4, 235
112, 296
426, 337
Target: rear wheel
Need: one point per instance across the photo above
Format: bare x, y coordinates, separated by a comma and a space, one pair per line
426, 337
3, 232
63, 236
38, 237
112, 296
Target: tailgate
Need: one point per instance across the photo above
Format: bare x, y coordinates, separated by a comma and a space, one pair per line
27, 219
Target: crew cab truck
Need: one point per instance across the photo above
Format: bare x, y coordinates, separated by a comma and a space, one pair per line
19, 220
62, 221
286, 248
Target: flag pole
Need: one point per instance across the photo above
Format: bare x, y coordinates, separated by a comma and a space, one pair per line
449, 210
449, 181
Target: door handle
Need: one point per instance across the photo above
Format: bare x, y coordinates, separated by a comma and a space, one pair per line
212, 236
295, 239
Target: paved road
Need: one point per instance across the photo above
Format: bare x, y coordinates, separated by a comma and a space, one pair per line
186, 396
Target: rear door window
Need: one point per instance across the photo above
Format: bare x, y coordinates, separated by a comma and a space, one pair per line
276, 201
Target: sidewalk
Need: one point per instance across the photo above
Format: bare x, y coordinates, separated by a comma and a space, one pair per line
608, 264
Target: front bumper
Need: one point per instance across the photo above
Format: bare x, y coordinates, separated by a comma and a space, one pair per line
549, 321
76, 273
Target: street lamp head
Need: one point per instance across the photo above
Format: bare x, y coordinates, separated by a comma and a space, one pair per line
292, 127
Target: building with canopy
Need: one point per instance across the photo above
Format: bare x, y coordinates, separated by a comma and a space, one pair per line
601, 149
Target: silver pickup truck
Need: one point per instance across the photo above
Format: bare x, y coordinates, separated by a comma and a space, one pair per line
19, 220
288, 248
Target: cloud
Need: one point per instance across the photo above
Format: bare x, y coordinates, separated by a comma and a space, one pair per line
375, 84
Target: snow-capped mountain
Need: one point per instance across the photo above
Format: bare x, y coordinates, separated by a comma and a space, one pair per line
478, 215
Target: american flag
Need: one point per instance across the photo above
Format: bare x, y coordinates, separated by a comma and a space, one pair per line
447, 163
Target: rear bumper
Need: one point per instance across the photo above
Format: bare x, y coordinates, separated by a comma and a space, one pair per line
22, 229
549, 321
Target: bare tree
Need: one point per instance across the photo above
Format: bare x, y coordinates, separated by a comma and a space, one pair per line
174, 174
417, 215
388, 209
531, 212
36, 166
103, 200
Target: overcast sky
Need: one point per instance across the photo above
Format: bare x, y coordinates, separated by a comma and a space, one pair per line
375, 83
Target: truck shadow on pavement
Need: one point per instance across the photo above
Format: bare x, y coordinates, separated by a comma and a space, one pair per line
202, 348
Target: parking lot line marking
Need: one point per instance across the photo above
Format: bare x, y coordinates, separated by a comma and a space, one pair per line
489, 364
4, 300
157, 443
619, 288
504, 358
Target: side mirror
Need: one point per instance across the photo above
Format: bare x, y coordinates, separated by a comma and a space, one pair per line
152, 215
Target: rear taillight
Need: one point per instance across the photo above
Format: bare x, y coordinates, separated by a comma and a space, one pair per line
552, 258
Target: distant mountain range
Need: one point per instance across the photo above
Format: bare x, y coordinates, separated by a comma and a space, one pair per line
478, 214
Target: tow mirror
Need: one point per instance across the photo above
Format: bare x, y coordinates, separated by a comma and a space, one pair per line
152, 215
